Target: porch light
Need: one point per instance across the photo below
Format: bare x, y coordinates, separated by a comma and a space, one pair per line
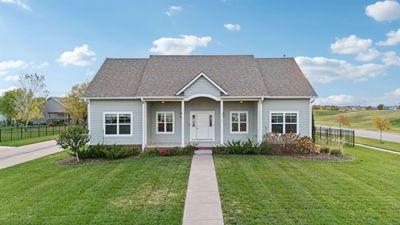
162, 102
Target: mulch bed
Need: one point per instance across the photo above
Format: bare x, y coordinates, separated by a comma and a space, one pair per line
72, 161
315, 156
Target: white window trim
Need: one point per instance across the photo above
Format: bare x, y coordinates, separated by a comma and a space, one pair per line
247, 123
284, 120
165, 123
117, 135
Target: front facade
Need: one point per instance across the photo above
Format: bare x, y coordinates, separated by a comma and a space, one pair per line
53, 111
201, 100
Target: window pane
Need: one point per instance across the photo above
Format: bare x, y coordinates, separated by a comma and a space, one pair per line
235, 127
277, 118
243, 117
160, 117
124, 129
291, 128
234, 117
160, 127
169, 127
210, 121
111, 118
193, 120
290, 118
169, 117
124, 118
277, 128
243, 127
111, 129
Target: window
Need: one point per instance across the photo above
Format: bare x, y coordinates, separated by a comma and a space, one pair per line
239, 122
117, 123
284, 122
165, 123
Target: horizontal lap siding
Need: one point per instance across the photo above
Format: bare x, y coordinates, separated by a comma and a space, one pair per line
155, 107
202, 86
251, 108
98, 107
300, 105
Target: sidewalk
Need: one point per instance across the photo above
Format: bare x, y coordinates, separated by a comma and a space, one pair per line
379, 149
203, 205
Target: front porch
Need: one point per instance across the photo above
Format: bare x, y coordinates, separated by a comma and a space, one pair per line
203, 121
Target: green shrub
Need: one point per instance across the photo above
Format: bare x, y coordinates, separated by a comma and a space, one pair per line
336, 151
118, 152
242, 147
151, 152
325, 149
74, 138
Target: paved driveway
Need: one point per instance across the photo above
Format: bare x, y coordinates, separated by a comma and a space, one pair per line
10, 156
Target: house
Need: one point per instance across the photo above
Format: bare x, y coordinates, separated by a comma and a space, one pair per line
53, 112
203, 100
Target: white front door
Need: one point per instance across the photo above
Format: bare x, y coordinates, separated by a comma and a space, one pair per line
202, 126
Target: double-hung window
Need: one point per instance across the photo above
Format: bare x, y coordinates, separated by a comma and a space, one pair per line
239, 122
165, 123
284, 122
117, 124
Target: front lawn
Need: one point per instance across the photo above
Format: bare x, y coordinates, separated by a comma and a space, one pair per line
17, 143
134, 191
394, 146
283, 190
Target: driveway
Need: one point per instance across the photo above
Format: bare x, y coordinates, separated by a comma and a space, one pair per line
386, 136
10, 156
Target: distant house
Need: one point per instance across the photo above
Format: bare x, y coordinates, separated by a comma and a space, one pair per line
53, 112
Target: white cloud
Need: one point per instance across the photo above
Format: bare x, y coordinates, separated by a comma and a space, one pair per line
390, 58
350, 45
232, 27
393, 38
42, 65
12, 78
2, 91
11, 64
395, 93
80, 56
173, 10
335, 100
387, 10
16, 2
179, 46
368, 55
324, 70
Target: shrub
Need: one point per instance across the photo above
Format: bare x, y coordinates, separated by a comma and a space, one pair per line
281, 142
74, 138
151, 152
336, 151
325, 149
118, 152
304, 145
242, 147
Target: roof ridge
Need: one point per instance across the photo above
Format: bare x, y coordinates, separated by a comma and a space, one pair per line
210, 55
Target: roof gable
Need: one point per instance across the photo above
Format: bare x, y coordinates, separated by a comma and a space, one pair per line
201, 75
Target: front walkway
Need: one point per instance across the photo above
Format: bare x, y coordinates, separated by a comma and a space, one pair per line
203, 205
379, 149
13, 156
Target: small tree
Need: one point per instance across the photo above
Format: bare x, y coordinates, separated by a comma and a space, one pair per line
74, 104
343, 120
7, 103
74, 138
380, 107
313, 127
381, 124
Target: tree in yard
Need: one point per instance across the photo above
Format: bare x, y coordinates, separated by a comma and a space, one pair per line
74, 138
33, 94
380, 107
7, 103
74, 104
343, 120
381, 124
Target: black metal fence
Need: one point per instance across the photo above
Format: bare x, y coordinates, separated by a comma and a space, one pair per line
20, 133
329, 135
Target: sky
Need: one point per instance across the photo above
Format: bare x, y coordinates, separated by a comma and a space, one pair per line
349, 50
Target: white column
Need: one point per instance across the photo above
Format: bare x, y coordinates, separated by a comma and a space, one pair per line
183, 123
144, 125
221, 117
259, 121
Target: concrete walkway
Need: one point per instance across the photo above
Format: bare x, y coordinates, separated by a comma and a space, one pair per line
379, 149
202, 205
10, 156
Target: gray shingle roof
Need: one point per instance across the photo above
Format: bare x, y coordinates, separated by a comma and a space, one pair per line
239, 75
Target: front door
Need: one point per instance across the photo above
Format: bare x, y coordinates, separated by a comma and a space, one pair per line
202, 126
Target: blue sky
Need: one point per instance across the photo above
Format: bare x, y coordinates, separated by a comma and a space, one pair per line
348, 49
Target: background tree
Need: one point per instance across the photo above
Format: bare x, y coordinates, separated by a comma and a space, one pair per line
381, 124
33, 95
7, 103
343, 120
380, 107
74, 104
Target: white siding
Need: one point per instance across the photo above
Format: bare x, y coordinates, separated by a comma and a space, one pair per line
98, 107
302, 106
202, 86
169, 139
251, 108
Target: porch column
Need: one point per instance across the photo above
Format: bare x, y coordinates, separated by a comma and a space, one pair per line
221, 118
183, 123
144, 124
259, 121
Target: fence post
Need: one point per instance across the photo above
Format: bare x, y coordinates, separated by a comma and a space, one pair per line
46, 130
30, 132
11, 134
0, 134
340, 133
21, 133
38, 131
354, 138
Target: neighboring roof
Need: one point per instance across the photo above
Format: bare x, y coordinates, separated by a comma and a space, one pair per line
238, 75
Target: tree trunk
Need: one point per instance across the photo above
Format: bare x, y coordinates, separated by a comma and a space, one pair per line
380, 136
77, 157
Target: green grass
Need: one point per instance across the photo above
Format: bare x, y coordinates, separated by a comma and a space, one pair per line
283, 190
358, 119
28, 141
139, 191
394, 146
